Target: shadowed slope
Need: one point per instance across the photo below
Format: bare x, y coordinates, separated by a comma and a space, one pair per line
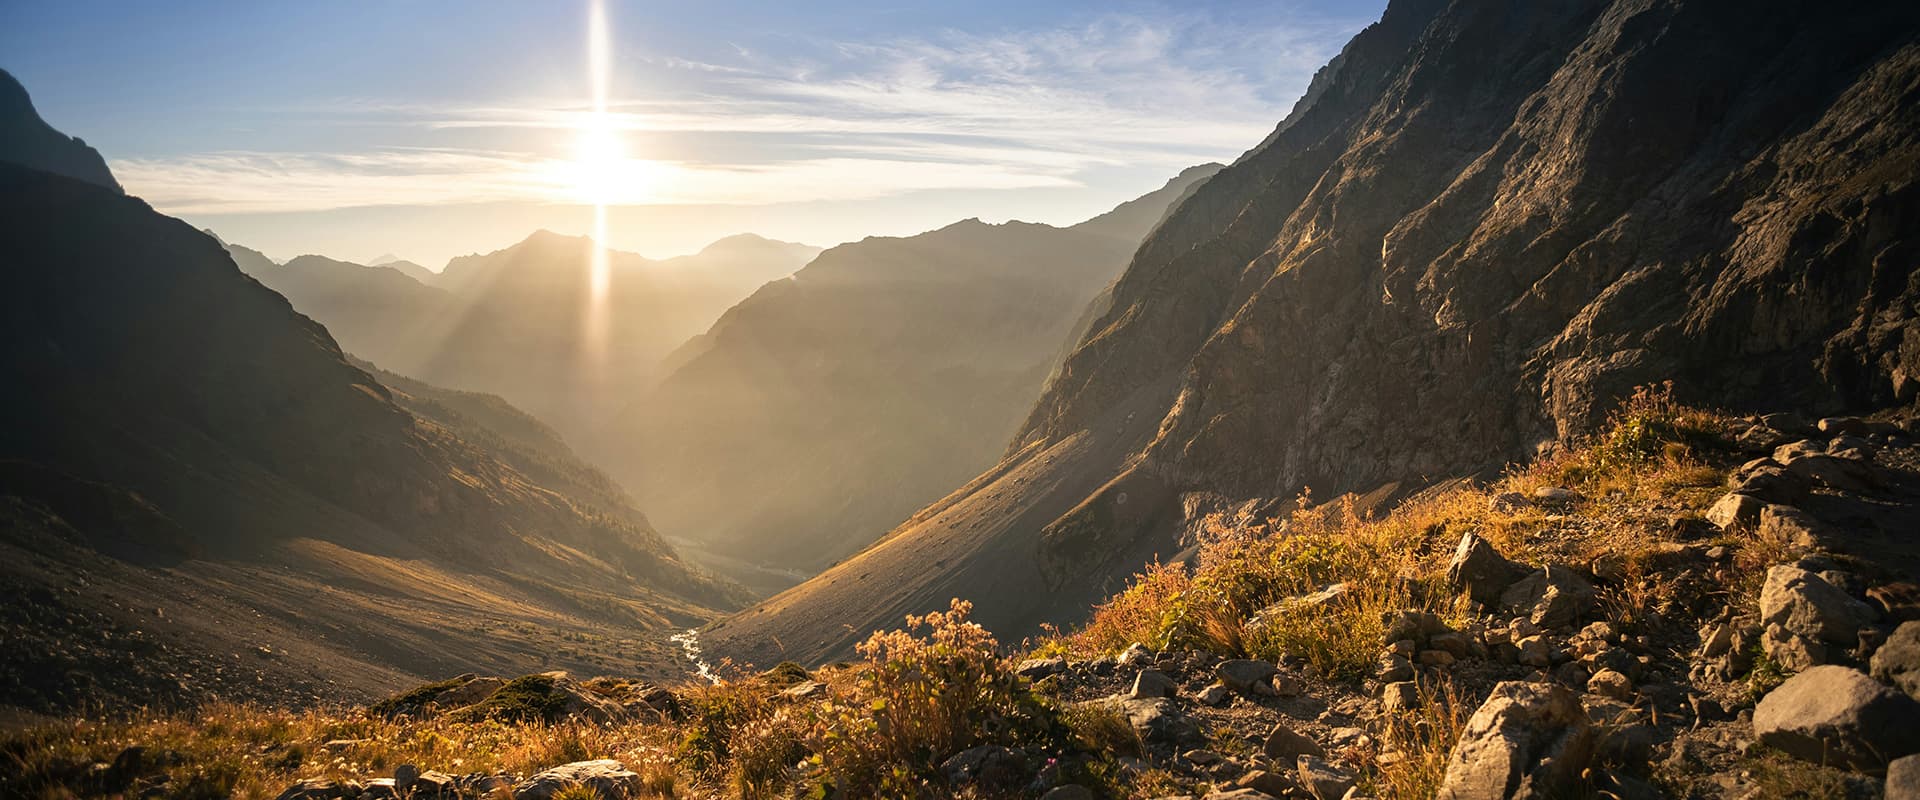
1482, 226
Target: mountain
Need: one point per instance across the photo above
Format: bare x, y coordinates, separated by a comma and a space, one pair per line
827, 407
25, 138
404, 267
191, 470
511, 322
1482, 226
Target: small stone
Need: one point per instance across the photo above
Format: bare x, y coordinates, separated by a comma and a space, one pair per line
1285, 744
1610, 683
1554, 598
1399, 697
1903, 779
1201, 757
1071, 791
1265, 784
1215, 694
1322, 780
1247, 676
1480, 570
404, 776
1152, 683
1393, 668
1555, 494
1436, 658
1135, 655
1735, 512
1034, 669
1534, 652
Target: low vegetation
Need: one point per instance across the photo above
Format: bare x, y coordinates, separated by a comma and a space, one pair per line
884, 725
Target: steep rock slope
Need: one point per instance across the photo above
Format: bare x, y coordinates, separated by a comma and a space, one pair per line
1483, 224
28, 139
824, 409
176, 432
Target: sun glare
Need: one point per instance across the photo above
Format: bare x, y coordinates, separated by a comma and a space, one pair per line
595, 179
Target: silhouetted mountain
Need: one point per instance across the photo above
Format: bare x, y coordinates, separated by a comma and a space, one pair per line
512, 322
162, 407
825, 408
28, 140
405, 267
1480, 228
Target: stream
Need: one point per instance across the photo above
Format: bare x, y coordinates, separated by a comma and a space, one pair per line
689, 641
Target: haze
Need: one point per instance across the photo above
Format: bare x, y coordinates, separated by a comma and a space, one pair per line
433, 129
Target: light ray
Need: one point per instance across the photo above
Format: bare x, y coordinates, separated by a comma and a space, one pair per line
599, 146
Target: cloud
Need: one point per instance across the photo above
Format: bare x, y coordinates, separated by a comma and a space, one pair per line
825, 121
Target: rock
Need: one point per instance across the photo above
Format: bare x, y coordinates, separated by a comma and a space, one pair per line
1201, 757
1735, 512
1236, 794
1284, 744
466, 694
1835, 472
1322, 780
989, 767
1534, 652
1767, 480
1555, 494
1247, 676
430, 784
1554, 598
1399, 697
1896, 602
1160, 721
1135, 655
1903, 778
1435, 658
1266, 783
1152, 683
1215, 694
1285, 685
1798, 529
1481, 571
404, 776
1792, 651
1850, 426
1759, 439
1806, 605
1034, 669
321, 789
1838, 716
805, 690
1610, 683
1787, 422
606, 778
1393, 668
1897, 662
1526, 740
1071, 791
1458, 645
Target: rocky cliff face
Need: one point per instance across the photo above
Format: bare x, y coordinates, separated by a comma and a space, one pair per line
826, 408
1484, 224
27, 139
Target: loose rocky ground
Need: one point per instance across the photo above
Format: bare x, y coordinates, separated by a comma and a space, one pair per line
1690, 606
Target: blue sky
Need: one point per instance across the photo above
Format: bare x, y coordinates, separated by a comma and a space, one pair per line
429, 128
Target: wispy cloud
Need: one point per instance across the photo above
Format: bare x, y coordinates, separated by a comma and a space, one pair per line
837, 120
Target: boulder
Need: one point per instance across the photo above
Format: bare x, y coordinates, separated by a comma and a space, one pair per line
1903, 778
1838, 716
1526, 740
1806, 605
989, 767
321, 789
1897, 662
1769, 481
1798, 529
1247, 676
1152, 683
1160, 721
606, 778
1284, 744
1135, 655
1481, 571
1266, 783
1034, 669
1393, 668
1071, 791
1735, 512
1215, 694
1553, 598
1399, 697
1322, 780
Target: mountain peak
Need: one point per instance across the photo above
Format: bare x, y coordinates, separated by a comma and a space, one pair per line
28, 140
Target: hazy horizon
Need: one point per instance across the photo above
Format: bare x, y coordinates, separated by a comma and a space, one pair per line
474, 126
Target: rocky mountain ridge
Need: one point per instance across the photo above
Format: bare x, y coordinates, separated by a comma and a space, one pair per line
1483, 225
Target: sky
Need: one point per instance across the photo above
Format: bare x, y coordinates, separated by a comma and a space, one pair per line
428, 129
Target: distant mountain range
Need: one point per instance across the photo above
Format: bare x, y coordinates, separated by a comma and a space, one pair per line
512, 322
1482, 226
178, 438
827, 407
